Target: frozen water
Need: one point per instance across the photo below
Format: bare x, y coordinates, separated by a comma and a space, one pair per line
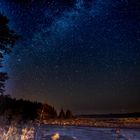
45, 132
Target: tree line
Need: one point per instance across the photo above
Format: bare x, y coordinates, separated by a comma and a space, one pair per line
19, 109
12, 109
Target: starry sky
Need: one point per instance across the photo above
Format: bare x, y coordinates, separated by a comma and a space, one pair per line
78, 54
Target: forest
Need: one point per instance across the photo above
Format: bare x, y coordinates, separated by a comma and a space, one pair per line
11, 109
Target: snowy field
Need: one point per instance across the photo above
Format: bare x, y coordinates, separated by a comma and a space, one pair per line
86, 133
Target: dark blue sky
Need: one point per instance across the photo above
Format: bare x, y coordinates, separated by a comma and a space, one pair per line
77, 54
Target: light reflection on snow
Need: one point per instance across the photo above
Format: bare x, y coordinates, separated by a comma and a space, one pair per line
55, 136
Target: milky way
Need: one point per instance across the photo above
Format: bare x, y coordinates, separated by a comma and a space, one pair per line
77, 54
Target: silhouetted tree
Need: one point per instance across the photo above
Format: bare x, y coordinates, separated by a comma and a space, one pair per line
8, 39
3, 77
62, 114
69, 114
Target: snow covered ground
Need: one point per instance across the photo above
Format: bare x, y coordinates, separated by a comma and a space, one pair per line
45, 132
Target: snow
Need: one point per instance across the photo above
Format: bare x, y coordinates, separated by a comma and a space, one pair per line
45, 132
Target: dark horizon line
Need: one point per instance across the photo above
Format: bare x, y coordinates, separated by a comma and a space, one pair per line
107, 115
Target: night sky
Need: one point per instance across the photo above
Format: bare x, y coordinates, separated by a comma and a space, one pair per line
78, 54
